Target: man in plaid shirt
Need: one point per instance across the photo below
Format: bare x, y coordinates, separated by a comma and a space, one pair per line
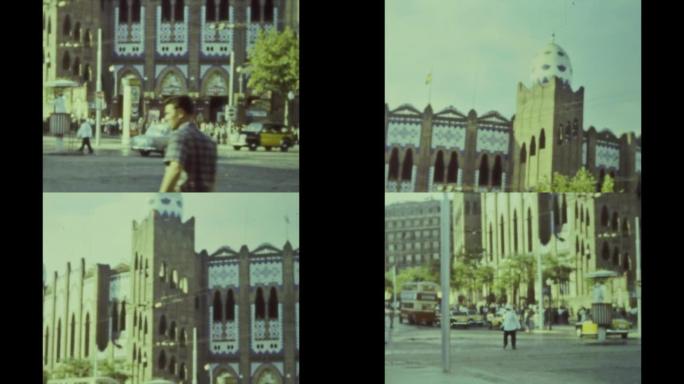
191, 155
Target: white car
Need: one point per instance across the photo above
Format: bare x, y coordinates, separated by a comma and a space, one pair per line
155, 139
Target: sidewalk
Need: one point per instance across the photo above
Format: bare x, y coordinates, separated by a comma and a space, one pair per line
71, 145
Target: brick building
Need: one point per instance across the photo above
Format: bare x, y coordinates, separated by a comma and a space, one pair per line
244, 305
449, 150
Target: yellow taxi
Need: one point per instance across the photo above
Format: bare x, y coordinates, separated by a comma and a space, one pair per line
618, 326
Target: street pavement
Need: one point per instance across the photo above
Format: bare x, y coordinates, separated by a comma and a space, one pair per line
112, 169
477, 356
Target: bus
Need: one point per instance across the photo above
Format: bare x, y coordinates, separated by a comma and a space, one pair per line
418, 302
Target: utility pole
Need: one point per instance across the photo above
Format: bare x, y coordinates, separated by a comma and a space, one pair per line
638, 271
98, 103
445, 259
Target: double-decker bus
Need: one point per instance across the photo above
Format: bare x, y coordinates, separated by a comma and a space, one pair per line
418, 302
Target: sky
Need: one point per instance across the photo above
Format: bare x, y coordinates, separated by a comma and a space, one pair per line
98, 226
478, 51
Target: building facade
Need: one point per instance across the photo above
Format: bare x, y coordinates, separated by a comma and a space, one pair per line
412, 234
449, 150
585, 232
244, 306
160, 48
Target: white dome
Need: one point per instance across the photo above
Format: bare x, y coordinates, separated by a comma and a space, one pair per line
551, 61
167, 204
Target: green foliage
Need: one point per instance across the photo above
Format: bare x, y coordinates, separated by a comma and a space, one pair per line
556, 268
72, 368
582, 182
608, 185
415, 274
118, 370
274, 62
515, 270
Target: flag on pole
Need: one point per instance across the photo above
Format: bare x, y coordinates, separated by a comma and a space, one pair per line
428, 79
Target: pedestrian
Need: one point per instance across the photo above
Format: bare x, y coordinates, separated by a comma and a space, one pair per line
530, 320
85, 132
190, 155
511, 324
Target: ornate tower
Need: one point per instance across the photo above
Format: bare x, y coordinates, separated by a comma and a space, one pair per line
165, 281
548, 125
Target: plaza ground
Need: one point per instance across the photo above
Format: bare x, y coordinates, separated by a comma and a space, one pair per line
113, 169
477, 356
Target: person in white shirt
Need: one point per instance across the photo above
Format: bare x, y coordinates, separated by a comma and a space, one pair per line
85, 132
510, 325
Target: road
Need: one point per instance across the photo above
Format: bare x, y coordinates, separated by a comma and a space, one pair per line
477, 356
112, 170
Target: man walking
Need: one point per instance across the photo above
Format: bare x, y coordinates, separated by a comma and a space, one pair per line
191, 155
85, 132
511, 324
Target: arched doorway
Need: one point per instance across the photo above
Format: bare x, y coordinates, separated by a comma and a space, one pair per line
407, 166
452, 172
394, 165
484, 172
497, 173
268, 375
439, 168
215, 90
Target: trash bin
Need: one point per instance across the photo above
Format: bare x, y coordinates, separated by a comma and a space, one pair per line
602, 313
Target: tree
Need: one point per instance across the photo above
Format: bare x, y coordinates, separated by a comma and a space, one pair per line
118, 370
72, 368
582, 182
274, 63
608, 185
415, 274
514, 271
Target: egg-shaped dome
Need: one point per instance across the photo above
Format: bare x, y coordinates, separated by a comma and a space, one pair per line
551, 61
167, 204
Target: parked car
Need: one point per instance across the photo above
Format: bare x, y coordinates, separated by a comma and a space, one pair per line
618, 326
494, 320
267, 135
154, 140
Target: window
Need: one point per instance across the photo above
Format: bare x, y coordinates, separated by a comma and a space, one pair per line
256, 11
260, 304
605, 252
66, 27
533, 147
484, 171
394, 165
77, 31
604, 216
529, 229
172, 330
616, 256
162, 271
523, 154
218, 309
439, 168
273, 304
66, 61
135, 11
491, 243
230, 306
172, 365
162, 326
179, 11
182, 338
166, 10
268, 11
564, 211
515, 231
58, 345
47, 345
542, 140
452, 173
223, 10
497, 173
615, 222
72, 348
115, 317
503, 248
162, 360
211, 10
122, 320
123, 11
407, 166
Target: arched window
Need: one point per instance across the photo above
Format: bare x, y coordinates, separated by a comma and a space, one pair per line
58, 345
66, 61
503, 248
230, 306
523, 154
484, 171
407, 166
76, 70
122, 320
497, 173
181, 372
605, 251
586, 218
172, 330
182, 337
172, 365
542, 140
616, 256
115, 317
166, 10
533, 147
179, 11
556, 213
625, 261
394, 165
255, 7
529, 230
260, 305
602, 176
268, 11
273, 304
123, 11
218, 309
162, 360
135, 319
605, 217
66, 27
564, 211
87, 38
577, 248
135, 11
211, 10
439, 168
162, 325
47, 345
452, 173
147, 268
515, 231
72, 344
223, 10
615, 222
77, 31
135, 353
136, 262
